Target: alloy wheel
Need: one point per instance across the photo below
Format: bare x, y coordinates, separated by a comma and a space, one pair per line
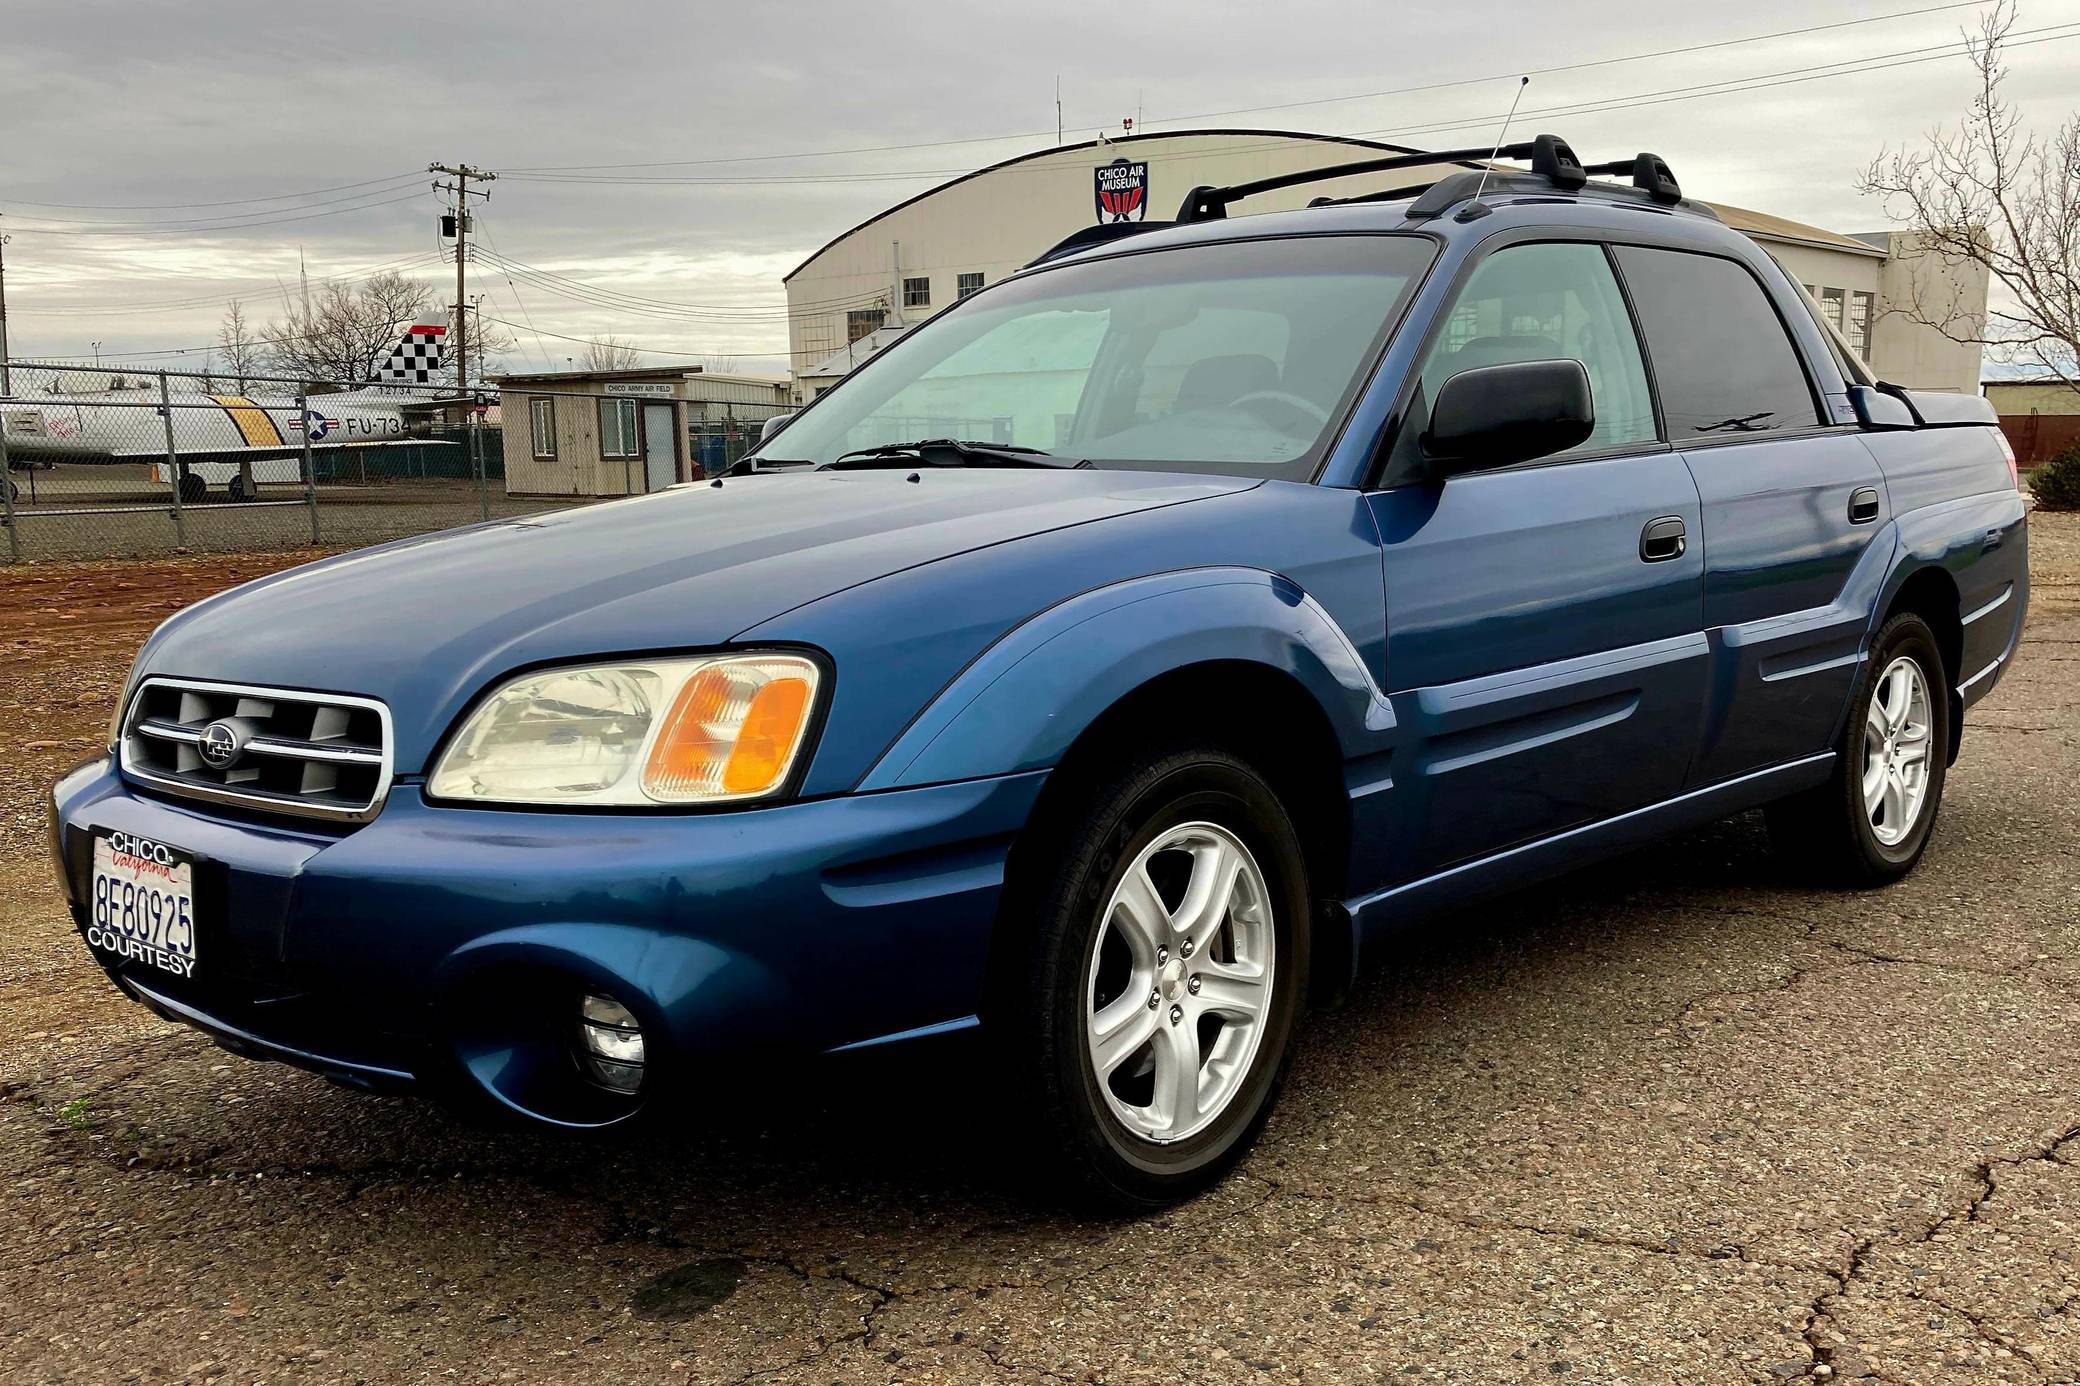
1179, 984
1898, 739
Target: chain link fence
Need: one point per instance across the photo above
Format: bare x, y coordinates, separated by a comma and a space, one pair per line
108, 463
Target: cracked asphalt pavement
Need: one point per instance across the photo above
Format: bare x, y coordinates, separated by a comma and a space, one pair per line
1677, 1117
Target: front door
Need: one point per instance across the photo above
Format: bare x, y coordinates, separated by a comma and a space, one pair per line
660, 447
1791, 505
1544, 645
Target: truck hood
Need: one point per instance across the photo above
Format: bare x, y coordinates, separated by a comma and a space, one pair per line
426, 623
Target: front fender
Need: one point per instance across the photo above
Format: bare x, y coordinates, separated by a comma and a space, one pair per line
1025, 700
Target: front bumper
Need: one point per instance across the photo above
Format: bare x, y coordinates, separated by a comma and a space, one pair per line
436, 946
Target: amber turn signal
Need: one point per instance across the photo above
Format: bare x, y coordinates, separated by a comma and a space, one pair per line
733, 730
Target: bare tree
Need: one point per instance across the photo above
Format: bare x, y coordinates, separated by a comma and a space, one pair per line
343, 333
1988, 192
718, 365
241, 346
611, 354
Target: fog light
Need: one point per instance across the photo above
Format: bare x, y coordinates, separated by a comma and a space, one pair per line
612, 1043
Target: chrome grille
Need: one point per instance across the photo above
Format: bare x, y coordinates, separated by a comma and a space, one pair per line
319, 755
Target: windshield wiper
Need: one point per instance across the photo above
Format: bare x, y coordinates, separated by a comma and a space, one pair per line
949, 452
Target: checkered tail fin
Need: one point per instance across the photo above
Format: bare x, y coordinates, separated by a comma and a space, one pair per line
414, 361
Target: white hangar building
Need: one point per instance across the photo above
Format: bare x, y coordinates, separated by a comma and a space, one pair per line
884, 276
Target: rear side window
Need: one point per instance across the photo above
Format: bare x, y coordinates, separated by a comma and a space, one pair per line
1722, 361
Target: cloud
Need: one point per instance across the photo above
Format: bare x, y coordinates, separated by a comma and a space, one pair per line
143, 102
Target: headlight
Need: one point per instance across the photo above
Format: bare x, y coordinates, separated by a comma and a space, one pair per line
641, 732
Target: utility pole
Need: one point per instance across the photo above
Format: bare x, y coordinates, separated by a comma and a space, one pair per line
463, 175
6, 377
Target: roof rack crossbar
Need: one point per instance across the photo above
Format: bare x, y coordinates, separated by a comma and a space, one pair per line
1550, 158
1211, 204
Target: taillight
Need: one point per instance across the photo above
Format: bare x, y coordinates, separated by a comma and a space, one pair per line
2008, 452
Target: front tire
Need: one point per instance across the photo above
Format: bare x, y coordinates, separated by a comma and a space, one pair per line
1152, 967
1869, 824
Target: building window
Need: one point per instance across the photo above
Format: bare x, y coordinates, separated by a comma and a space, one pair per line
617, 428
861, 322
541, 422
968, 284
1831, 307
917, 293
1858, 328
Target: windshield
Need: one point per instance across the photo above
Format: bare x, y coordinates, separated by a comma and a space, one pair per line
1235, 357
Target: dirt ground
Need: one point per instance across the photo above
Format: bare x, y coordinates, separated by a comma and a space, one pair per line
1680, 1118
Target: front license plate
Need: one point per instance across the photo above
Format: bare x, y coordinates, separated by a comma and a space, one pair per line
143, 905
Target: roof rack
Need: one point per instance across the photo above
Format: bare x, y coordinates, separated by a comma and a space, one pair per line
1553, 165
1550, 157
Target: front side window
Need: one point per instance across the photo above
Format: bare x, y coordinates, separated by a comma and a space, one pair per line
1555, 301
617, 428
1234, 357
1723, 363
541, 420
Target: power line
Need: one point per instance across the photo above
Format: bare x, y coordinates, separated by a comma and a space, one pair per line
762, 317
1245, 110
587, 341
186, 206
606, 297
393, 185
222, 296
1849, 67
216, 230
1793, 77
492, 248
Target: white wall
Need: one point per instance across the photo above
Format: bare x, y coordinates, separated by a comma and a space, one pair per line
1920, 356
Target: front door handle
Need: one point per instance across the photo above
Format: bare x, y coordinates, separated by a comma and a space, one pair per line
1663, 539
1863, 505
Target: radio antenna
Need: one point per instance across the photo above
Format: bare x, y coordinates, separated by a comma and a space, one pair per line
1500, 136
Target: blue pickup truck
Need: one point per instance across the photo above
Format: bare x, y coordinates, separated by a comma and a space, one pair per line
1310, 573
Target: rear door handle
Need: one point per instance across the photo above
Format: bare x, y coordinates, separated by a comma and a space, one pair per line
1863, 505
1663, 539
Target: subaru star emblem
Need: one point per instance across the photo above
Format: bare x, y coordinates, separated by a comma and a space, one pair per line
220, 744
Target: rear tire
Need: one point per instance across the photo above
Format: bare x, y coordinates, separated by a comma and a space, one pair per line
1870, 822
1152, 963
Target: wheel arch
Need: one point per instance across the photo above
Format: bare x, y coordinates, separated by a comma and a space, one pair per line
1237, 658
1930, 592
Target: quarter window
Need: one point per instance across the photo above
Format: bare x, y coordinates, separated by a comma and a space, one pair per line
617, 428
1723, 363
1551, 302
541, 421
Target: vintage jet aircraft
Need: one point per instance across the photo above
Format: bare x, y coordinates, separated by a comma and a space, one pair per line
238, 441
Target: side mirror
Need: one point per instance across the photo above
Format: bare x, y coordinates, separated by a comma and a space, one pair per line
1492, 416
772, 425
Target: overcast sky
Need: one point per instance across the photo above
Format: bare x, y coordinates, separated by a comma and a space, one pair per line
144, 110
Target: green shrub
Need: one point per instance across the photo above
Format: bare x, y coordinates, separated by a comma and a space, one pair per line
2056, 484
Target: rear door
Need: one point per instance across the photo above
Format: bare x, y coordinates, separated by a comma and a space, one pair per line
1791, 506
1543, 639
